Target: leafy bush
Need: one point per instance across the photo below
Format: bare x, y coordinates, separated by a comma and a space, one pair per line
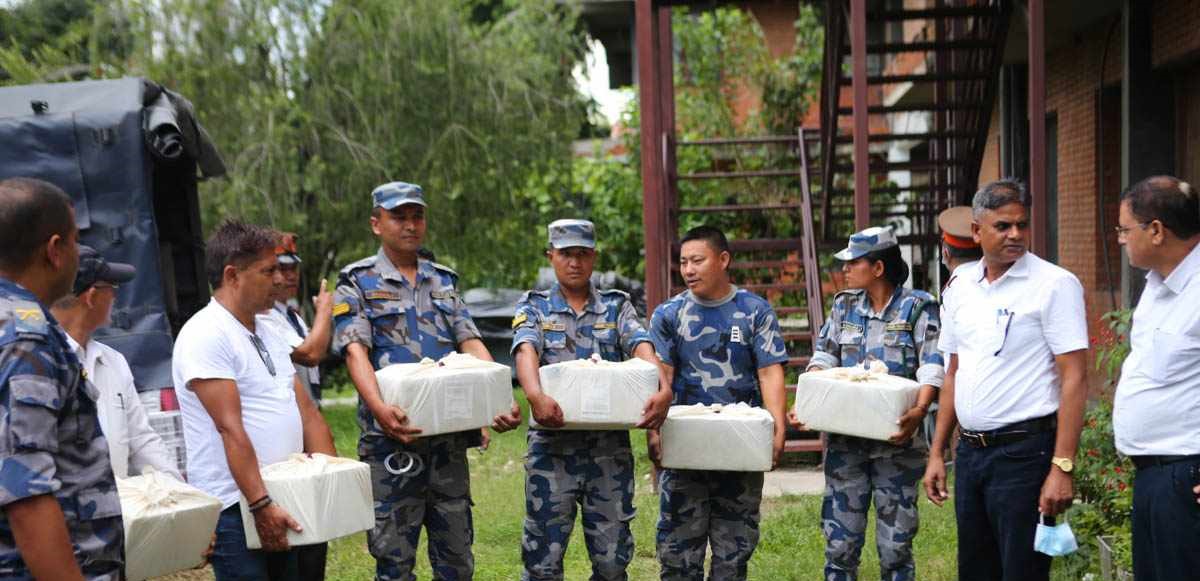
1103, 476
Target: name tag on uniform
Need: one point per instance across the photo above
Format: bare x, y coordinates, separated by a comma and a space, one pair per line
381, 295
603, 326
898, 326
847, 326
735, 335
439, 295
554, 327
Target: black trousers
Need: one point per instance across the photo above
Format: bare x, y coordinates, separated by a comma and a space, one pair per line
996, 492
1166, 522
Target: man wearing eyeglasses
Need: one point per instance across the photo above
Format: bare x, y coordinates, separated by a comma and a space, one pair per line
396, 307
1155, 417
133, 445
242, 402
1016, 330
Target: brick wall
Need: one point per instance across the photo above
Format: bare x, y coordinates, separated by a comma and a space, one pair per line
1177, 31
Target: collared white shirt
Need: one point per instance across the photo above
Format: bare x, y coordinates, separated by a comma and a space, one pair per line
277, 318
132, 443
1156, 410
213, 344
1006, 334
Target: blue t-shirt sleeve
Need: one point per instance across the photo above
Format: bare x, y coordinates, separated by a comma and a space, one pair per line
769, 348
662, 334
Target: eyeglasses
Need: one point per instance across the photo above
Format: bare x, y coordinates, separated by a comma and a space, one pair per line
263, 353
1124, 230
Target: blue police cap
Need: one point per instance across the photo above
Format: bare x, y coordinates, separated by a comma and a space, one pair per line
393, 194
869, 240
568, 233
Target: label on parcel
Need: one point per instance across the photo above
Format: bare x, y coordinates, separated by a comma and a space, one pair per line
595, 394
454, 394
854, 401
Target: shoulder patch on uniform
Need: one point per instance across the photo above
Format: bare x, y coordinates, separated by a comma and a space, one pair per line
341, 309
28, 319
443, 294
898, 326
554, 327
444, 268
519, 320
600, 326
363, 263
383, 295
614, 291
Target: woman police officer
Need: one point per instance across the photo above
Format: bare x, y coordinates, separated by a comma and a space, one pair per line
876, 318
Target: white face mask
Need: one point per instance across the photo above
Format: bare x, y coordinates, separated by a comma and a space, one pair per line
1054, 540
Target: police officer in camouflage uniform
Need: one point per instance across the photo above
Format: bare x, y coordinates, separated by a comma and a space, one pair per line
718, 344
877, 319
395, 307
61, 515
594, 469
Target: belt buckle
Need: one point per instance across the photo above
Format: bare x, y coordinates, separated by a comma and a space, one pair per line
978, 439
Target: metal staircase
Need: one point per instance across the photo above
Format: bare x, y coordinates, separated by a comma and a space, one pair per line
952, 87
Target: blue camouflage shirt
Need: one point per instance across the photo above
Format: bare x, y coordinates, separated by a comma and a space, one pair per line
903, 335
608, 326
50, 439
397, 321
717, 347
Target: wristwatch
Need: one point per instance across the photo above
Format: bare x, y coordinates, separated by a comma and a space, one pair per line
1064, 464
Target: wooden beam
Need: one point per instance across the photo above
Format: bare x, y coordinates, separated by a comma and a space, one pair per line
858, 53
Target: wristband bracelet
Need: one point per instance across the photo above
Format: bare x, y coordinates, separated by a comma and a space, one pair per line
260, 504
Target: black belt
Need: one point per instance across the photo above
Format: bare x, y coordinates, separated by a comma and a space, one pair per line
1010, 433
1144, 462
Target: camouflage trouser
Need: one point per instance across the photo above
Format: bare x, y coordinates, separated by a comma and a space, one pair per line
700, 508
857, 471
434, 491
601, 481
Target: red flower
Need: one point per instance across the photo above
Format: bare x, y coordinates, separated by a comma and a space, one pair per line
1117, 469
1121, 486
1094, 453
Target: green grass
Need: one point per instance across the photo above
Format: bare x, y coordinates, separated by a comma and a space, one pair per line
791, 546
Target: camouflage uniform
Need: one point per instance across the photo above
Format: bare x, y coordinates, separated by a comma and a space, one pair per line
400, 322
592, 468
51, 441
716, 349
857, 470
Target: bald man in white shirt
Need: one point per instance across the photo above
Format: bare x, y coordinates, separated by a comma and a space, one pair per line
1156, 412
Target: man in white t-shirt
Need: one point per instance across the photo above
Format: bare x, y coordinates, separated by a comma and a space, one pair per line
133, 445
243, 406
1016, 330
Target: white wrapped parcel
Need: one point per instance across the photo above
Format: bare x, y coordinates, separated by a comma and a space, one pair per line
454, 394
329, 496
168, 524
595, 394
854, 401
735, 437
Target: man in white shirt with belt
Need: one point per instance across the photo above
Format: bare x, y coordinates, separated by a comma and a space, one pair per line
133, 445
243, 406
1156, 413
1016, 330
